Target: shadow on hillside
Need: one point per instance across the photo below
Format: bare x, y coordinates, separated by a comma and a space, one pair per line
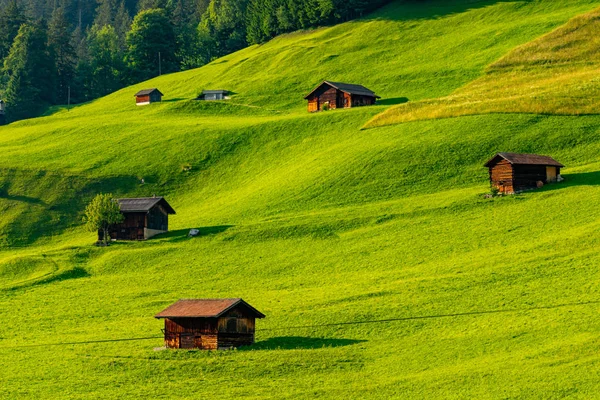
53, 217
23, 199
429, 9
581, 179
174, 100
75, 273
63, 108
298, 342
392, 102
183, 234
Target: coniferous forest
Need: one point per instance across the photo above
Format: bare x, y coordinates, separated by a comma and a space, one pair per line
58, 51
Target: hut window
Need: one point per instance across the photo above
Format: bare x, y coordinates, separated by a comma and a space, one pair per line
232, 324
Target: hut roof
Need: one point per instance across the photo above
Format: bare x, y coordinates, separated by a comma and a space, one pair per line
146, 92
204, 308
144, 204
215, 92
525, 159
347, 88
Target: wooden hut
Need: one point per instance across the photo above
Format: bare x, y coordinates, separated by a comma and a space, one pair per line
2, 113
144, 218
213, 95
513, 173
209, 324
333, 95
148, 96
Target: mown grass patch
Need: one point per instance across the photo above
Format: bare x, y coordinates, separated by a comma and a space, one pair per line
556, 74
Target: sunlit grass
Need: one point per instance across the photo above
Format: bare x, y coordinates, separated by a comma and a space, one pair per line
382, 269
556, 74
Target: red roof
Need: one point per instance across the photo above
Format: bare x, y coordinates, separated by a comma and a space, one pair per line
204, 308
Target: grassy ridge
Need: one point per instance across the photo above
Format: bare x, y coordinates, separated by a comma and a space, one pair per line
444, 294
556, 74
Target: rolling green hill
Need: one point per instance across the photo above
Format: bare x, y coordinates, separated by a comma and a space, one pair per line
382, 269
556, 74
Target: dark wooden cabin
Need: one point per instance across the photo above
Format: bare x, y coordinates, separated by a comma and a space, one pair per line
144, 218
148, 96
2, 113
213, 95
513, 173
339, 95
209, 324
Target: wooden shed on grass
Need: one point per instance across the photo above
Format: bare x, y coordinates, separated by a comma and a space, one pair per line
144, 218
513, 173
213, 95
2, 113
209, 324
332, 95
148, 96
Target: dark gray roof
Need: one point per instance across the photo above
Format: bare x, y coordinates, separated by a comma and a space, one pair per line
144, 204
215, 91
347, 88
146, 92
526, 159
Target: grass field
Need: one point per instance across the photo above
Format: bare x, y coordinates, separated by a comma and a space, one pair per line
555, 74
382, 269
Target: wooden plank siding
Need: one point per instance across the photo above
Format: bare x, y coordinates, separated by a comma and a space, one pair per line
501, 177
509, 178
336, 98
234, 329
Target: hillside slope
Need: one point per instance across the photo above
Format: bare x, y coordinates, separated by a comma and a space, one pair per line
556, 74
382, 269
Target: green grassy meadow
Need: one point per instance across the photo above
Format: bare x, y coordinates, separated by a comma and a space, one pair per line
382, 269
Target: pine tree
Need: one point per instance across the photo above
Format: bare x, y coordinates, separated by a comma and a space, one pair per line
106, 61
11, 19
60, 41
105, 13
122, 24
29, 70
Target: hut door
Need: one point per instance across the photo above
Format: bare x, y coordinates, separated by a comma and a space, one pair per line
186, 341
550, 174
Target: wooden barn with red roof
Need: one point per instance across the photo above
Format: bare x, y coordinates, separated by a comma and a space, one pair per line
513, 173
209, 324
331, 95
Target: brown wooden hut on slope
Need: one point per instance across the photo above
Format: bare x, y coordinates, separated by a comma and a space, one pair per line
144, 218
339, 95
148, 96
2, 113
513, 173
209, 324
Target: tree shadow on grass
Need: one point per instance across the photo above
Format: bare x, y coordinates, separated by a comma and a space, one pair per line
392, 102
174, 100
183, 234
412, 10
75, 273
298, 342
23, 199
